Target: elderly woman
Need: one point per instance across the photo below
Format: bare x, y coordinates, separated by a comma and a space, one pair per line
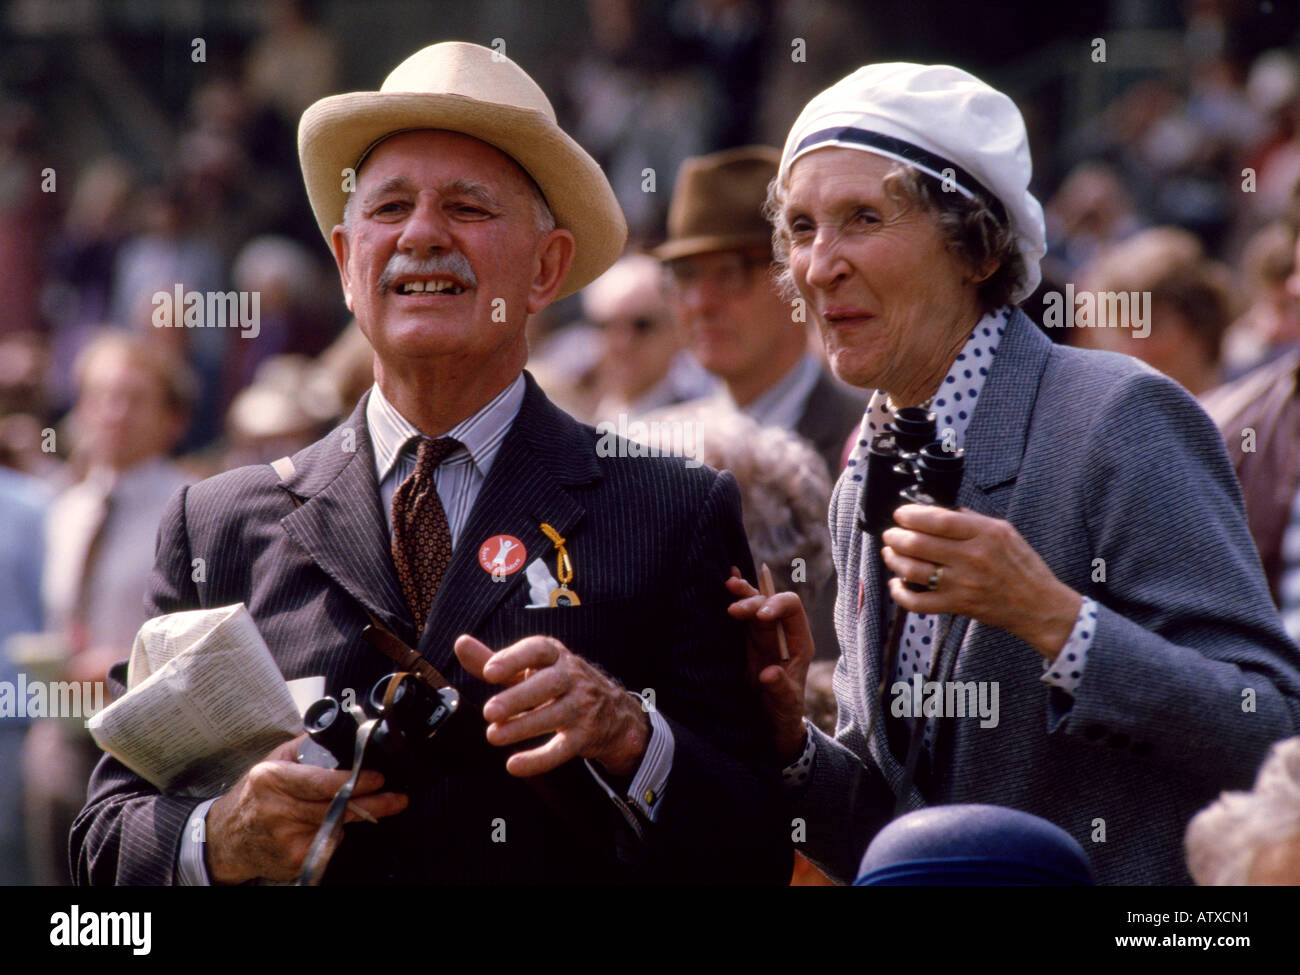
1092, 640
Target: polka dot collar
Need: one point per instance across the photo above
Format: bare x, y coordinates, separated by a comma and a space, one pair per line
954, 403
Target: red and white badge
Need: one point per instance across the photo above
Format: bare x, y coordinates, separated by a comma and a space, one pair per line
502, 555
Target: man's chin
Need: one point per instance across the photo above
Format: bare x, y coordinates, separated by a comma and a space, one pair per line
723, 363
421, 340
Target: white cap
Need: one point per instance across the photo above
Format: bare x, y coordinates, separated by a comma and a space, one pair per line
945, 122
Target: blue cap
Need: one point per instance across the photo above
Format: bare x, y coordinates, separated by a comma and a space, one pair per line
972, 846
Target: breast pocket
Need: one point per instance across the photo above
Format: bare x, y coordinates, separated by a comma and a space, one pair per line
602, 631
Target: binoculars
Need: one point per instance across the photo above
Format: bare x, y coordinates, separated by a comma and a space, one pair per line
906, 464
409, 715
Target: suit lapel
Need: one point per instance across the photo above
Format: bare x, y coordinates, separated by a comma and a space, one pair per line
817, 422
544, 452
999, 429
340, 523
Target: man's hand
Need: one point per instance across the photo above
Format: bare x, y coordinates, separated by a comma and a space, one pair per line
781, 682
264, 825
552, 689
990, 573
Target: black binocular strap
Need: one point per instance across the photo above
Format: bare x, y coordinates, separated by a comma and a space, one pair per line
321, 849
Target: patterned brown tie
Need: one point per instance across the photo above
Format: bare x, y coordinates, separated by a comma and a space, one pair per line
421, 535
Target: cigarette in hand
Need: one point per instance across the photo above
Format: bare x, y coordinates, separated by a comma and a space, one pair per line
766, 587
353, 807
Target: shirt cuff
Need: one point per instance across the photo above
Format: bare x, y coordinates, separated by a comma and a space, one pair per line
191, 868
646, 790
797, 773
1066, 671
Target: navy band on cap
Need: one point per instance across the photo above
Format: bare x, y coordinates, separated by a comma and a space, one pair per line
889, 145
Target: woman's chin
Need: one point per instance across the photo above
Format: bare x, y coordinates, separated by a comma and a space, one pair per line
853, 369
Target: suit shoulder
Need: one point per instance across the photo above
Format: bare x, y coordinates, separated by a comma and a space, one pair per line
832, 395
1117, 411
665, 464
253, 481
1090, 384
223, 504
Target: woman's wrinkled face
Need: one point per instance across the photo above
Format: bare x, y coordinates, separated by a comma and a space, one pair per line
889, 296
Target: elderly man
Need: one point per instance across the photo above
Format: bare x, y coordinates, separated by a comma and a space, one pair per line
718, 256
470, 211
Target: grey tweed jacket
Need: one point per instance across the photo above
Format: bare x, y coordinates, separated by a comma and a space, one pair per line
1189, 677
651, 542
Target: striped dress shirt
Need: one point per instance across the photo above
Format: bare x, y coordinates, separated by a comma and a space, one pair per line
461, 474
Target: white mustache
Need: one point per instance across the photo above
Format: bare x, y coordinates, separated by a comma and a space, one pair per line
454, 264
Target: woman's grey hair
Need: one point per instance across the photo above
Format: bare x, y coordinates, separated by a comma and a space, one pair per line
1224, 839
784, 488
972, 231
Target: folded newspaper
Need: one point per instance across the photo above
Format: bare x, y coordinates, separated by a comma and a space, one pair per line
204, 702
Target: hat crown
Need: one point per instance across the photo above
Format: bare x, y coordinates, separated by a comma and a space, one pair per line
471, 71
935, 106
466, 88
718, 201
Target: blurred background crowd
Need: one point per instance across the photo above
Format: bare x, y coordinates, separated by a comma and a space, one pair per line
147, 145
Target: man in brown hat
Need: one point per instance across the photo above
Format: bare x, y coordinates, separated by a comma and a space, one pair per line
574, 600
719, 261
719, 258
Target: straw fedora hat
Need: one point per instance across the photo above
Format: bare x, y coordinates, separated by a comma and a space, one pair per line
479, 92
718, 201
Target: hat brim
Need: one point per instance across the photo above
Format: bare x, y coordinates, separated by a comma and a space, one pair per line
708, 243
335, 131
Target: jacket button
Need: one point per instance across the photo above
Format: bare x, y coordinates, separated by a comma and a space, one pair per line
1142, 749
1119, 740
1093, 732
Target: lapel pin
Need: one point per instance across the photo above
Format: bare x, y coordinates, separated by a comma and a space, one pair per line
501, 555
563, 596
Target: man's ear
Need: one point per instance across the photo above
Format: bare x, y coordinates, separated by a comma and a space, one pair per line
554, 258
342, 247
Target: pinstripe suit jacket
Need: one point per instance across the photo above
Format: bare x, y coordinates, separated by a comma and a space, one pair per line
651, 542
1189, 677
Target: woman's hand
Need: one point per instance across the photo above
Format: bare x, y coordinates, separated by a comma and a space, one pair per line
986, 571
780, 682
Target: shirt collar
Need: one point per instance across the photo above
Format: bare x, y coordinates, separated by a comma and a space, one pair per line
480, 435
954, 403
780, 404
134, 480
